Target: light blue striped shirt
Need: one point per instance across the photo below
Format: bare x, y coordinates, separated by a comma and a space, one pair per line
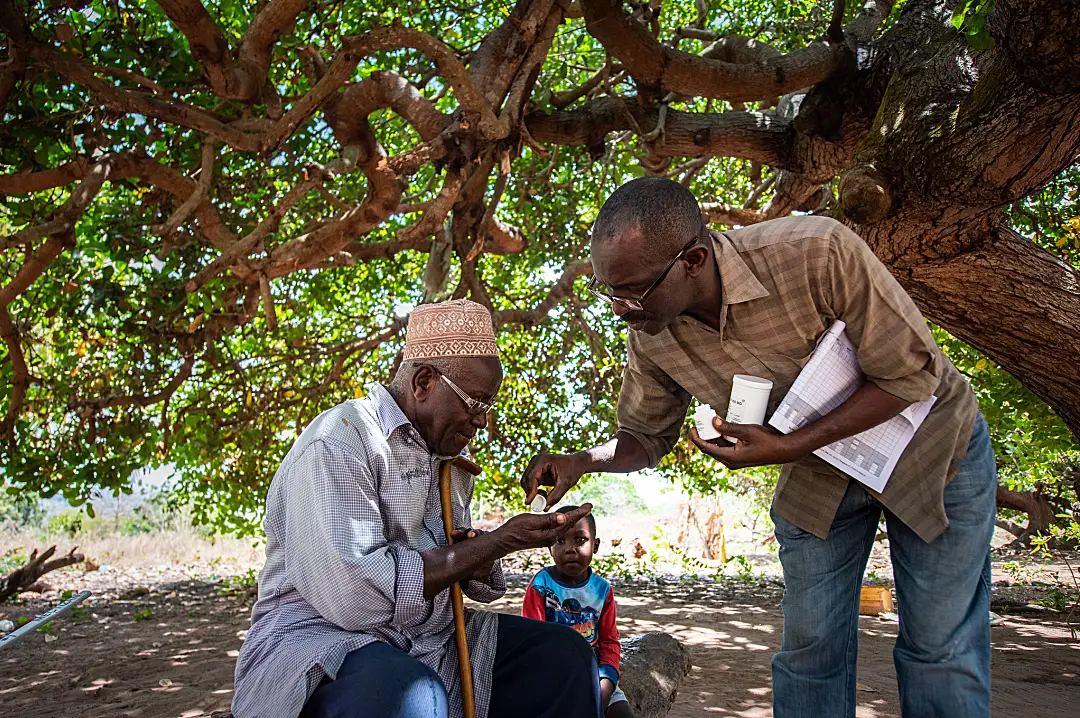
349, 511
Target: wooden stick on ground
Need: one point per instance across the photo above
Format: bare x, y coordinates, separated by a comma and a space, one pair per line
468, 702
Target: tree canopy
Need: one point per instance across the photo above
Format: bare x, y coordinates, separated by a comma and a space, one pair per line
217, 215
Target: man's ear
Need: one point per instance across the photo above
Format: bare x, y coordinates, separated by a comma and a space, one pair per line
423, 383
697, 259
596, 544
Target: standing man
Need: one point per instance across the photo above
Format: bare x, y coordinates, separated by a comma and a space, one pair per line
703, 306
354, 616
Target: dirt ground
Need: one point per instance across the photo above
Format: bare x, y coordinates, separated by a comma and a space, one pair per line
160, 644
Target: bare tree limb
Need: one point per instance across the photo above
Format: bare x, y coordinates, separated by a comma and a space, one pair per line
96, 405
661, 68
716, 213
20, 373
559, 291
198, 195
357, 47
244, 246
432, 220
747, 135
560, 100
129, 101
268, 303
26, 576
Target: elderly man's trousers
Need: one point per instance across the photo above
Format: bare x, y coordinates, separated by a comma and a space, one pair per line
542, 670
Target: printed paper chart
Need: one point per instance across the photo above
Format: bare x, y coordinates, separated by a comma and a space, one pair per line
828, 379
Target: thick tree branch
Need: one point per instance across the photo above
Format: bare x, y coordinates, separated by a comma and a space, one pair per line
663, 69
276, 18
31, 182
20, 373
380, 89
432, 219
754, 136
716, 213
244, 246
312, 248
356, 47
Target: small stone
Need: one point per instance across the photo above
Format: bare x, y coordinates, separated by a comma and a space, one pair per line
6, 626
164, 683
49, 638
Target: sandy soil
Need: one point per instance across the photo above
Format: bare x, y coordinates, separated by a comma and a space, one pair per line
157, 643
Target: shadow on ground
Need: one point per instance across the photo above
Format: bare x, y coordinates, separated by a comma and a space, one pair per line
170, 651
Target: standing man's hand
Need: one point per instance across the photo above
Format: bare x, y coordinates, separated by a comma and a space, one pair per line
538, 530
757, 446
560, 471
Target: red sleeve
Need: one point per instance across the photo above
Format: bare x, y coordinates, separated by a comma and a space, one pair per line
610, 648
533, 605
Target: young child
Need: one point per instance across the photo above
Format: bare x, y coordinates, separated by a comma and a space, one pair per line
571, 594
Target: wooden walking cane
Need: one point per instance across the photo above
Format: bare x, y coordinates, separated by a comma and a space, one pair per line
468, 702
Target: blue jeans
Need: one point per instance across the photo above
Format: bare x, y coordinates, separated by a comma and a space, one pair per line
540, 670
942, 654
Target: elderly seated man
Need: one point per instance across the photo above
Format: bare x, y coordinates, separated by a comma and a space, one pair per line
354, 615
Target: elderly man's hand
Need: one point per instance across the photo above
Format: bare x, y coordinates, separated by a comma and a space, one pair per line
757, 446
483, 572
539, 530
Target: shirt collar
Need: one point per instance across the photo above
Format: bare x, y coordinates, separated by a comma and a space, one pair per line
386, 408
391, 417
736, 278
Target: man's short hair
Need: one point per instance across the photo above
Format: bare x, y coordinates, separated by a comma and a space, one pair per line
451, 366
665, 211
588, 517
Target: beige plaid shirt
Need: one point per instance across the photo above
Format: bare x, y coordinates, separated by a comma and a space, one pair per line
784, 282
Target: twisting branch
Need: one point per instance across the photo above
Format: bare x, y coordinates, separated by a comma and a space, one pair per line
62, 220
381, 89
717, 213
432, 219
96, 405
559, 291
202, 190
560, 100
20, 373
249, 242
746, 135
129, 101
661, 68
357, 47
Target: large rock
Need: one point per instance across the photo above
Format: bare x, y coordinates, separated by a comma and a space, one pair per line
653, 665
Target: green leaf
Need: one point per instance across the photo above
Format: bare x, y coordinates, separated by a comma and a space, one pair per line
981, 40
